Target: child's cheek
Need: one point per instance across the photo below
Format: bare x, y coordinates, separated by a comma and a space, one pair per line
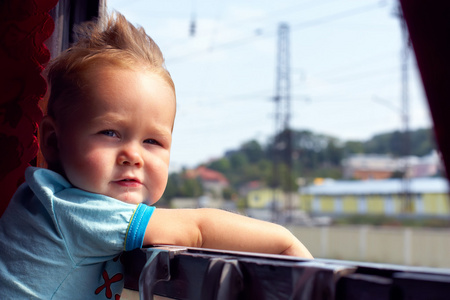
157, 169
97, 163
89, 171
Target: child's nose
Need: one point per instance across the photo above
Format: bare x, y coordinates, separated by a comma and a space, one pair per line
130, 157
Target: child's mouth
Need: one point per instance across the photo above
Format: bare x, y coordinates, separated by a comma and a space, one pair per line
129, 183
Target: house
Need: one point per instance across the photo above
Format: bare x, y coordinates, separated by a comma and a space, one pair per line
428, 165
250, 186
267, 198
213, 182
369, 166
376, 166
427, 197
272, 204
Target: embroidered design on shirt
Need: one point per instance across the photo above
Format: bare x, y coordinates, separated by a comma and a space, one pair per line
107, 284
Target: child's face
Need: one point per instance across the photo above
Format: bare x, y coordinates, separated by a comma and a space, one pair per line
117, 141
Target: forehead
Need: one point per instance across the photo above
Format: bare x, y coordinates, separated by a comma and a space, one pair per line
106, 73
130, 92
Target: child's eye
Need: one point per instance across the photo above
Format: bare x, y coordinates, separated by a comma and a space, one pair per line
110, 133
152, 142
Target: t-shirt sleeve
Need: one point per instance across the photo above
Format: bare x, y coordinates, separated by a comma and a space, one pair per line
137, 226
100, 225
92, 226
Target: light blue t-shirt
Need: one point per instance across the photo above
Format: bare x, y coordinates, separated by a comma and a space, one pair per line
60, 242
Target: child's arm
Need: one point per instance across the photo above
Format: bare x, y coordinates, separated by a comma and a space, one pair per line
218, 229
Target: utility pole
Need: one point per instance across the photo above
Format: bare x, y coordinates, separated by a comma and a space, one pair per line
192, 27
406, 181
283, 138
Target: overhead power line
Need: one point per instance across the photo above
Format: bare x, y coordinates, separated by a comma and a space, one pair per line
261, 34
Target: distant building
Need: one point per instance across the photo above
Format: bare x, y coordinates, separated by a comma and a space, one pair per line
429, 165
429, 197
277, 206
184, 203
264, 198
369, 166
269, 204
375, 166
250, 186
213, 182
203, 201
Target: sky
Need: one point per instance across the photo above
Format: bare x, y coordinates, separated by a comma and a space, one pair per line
345, 69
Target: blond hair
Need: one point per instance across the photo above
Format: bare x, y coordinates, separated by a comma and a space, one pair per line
111, 40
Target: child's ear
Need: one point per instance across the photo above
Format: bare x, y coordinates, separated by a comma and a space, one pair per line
49, 141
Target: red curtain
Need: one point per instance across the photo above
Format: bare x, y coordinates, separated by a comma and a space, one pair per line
24, 26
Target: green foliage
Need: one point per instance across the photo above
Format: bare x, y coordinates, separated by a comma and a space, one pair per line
354, 147
421, 142
238, 161
180, 186
191, 188
228, 193
173, 183
222, 165
253, 151
293, 154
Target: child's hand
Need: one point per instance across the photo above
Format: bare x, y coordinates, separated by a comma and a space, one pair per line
297, 249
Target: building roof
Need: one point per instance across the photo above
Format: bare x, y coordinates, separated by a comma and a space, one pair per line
206, 174
384, 186
371, 162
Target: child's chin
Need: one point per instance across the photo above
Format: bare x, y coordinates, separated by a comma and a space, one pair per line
127, 198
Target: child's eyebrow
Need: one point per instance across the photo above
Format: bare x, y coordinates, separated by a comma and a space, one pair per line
113, 119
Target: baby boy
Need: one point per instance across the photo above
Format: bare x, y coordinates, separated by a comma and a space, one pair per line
106, 138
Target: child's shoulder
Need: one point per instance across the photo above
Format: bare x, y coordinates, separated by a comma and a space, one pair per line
42, 180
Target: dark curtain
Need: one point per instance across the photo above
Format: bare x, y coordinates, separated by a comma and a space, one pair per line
25, 25
429, 29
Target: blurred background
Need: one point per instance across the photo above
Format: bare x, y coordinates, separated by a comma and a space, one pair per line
345, 62
306, 113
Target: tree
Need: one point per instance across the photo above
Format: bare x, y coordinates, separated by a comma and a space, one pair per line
333, 152
172, 186
308, 154
222, 165
180, 186
191, 187
353, 147
421, 142
253, 151
238, 161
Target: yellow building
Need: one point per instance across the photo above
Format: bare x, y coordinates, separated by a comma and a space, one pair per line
264, 198
272, 204
426, 197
